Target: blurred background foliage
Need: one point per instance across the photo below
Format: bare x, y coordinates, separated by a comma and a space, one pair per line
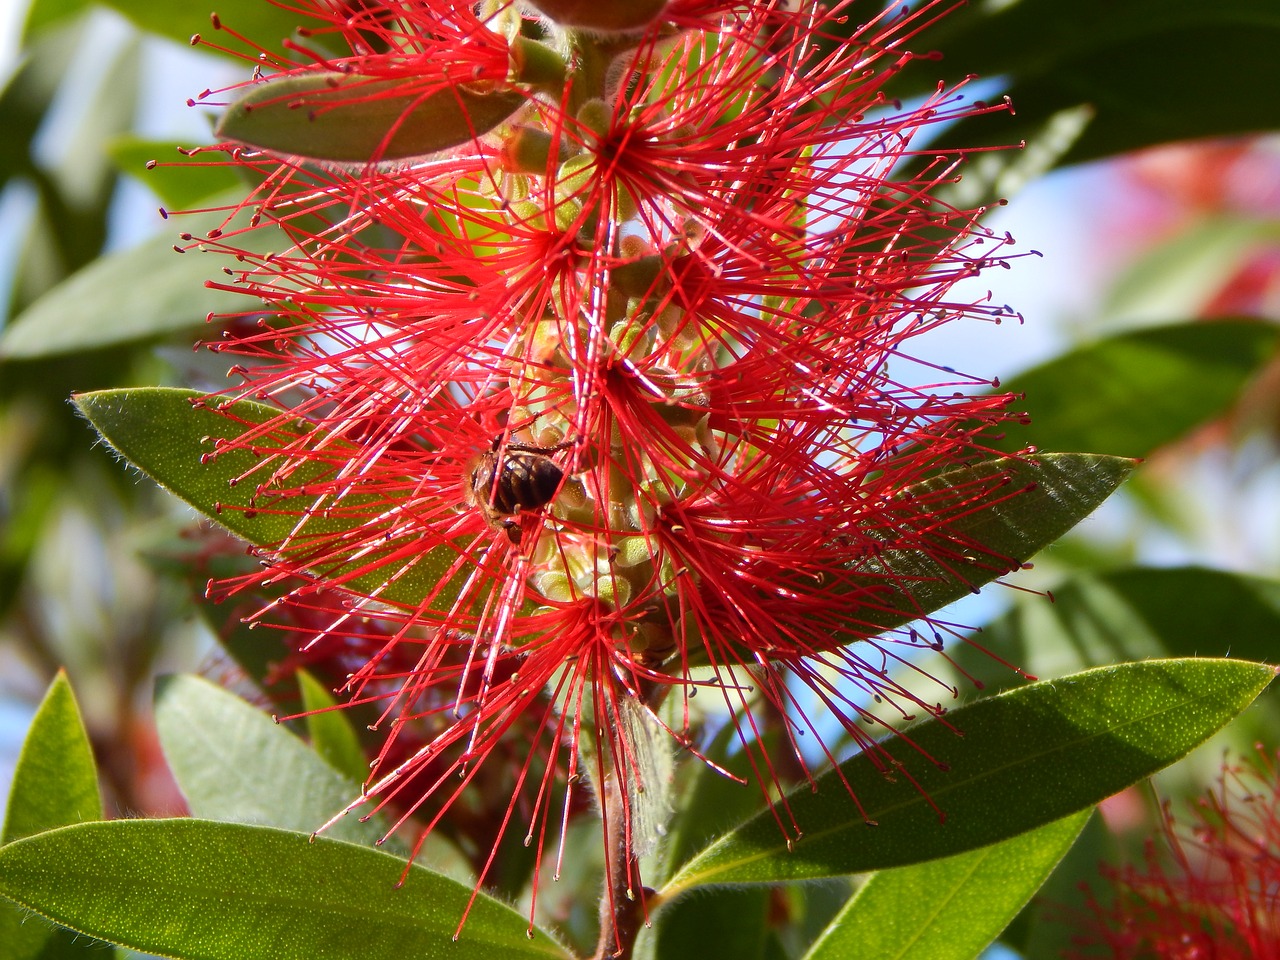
1150, 331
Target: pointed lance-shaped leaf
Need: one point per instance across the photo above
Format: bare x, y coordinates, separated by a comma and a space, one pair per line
170, 435
351, 119
1026, 758
231, 891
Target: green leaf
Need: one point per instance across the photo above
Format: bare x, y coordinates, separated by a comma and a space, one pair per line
1129, 394
233, 763
1024, 758
734, 919
56, 779
264, 23
330, 731
710, 802
161, 433
204, 890
179, 180
1180, 276
1039, 930
1023, 506
948, 909
1131, 614
350, 119
42, 14
105, 304
54, 783
1151, 71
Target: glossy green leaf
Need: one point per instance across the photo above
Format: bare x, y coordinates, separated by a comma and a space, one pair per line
1132, 393
233, 763
948, 909
180, 181
1057, 747
163, 435
1012, 509
349, 119
206, 890
105, 304
331, 733
55, 783
1151, 71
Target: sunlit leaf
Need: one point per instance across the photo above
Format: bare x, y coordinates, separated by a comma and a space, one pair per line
948, 909
1056, 746
105, 303
1027, 504
161, 433
206, 890
1180, 276
180, 181
55, 783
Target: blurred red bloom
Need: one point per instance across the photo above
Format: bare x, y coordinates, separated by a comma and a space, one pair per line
1210, 891
615, 397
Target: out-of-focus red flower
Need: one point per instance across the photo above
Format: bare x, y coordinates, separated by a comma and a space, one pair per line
618, 396
1209, 890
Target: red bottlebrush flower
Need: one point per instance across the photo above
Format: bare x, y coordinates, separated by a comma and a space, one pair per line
615, 397
1207, 892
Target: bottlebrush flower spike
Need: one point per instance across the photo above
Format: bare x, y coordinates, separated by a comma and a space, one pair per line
1208, 891
632, 368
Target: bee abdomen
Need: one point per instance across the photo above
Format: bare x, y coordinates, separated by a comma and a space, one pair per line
527, 481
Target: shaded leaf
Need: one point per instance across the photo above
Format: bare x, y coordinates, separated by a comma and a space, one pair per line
948, 909
1128, 395
1151, 71
710, 802
1039, 931
1131, 614
734, 919
1020, 506
330, 731
178, 180
205, 890
233, 763
1058, 746
346, 118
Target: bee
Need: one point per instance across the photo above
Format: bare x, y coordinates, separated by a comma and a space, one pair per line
507, 479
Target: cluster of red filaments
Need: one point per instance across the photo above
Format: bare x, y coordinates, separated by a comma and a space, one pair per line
1210, 889
614, 397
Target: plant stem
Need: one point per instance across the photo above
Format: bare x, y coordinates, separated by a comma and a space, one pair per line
621, 908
